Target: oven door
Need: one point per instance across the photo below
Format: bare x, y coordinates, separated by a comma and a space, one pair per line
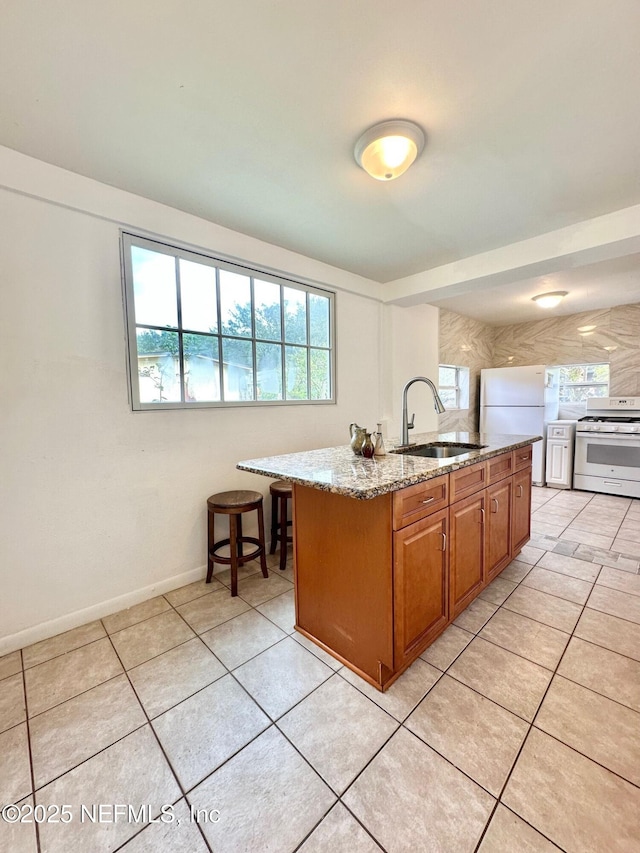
613, 456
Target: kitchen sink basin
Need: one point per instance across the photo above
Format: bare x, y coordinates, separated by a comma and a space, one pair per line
438, 450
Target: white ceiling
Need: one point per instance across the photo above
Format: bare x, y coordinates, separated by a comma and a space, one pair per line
246, 114
602, 285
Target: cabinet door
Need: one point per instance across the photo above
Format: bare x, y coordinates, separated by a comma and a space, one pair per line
521, 525
420, 585
498, 527
558, 463
466, 557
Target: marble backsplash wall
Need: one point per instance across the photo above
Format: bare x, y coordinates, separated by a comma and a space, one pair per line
615, 337
466, 343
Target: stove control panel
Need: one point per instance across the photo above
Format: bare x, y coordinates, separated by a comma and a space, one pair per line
604, 426
613, 404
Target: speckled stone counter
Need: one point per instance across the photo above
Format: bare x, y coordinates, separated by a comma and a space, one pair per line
339, 470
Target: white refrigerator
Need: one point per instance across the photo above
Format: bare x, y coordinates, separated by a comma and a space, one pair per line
520, 401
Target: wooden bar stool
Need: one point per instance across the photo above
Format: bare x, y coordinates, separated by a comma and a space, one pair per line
281, 493
234, 504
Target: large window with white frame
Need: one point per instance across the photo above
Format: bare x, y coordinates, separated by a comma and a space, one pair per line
206, 332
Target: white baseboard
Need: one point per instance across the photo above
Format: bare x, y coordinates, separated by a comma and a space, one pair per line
44, 630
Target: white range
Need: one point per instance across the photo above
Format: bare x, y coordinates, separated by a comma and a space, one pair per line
607, 456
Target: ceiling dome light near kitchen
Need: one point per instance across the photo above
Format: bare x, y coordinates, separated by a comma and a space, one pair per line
386, 150
549, 300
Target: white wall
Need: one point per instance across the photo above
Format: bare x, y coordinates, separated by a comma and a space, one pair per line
410, 348
101, 507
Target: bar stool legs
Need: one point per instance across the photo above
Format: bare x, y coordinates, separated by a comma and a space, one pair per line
281, 493
234, 504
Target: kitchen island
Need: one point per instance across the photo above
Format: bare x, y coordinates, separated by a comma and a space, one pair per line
388, 551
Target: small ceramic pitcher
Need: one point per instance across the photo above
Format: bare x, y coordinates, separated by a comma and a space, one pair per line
357, 438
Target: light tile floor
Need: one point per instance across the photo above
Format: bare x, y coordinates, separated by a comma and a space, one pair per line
517, 730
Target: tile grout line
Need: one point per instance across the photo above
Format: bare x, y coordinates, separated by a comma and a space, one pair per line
195, 693
400, 725
624, 518
164, 754
31, 771
573, 635
149, 720
518, 754
433, 749
274, 722
531, 726
529, 723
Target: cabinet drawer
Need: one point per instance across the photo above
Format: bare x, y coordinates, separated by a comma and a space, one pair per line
499, 467
522, 457
416, 502
559, 431
466, 481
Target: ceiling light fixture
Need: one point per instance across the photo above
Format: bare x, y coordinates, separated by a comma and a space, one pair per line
549, 300
386, 150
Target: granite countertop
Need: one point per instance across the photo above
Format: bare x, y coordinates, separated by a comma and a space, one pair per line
339, 470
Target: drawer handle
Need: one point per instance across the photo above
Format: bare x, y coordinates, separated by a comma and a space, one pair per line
444, 542
428, 500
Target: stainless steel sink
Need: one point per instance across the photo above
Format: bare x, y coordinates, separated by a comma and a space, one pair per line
438, 449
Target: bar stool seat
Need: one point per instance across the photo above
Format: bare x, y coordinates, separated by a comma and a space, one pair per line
281, 492
235, 504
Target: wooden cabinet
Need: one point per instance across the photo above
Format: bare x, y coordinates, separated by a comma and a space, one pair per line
467, 481
500, 467
466, 551
498, 527
521, 523
481, 531
416, 502
420, 584
343, 564
522, 457
376, 581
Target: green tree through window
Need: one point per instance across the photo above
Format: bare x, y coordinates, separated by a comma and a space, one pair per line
207, 335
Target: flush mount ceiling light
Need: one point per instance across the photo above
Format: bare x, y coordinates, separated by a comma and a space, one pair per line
386, 150
549, 300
